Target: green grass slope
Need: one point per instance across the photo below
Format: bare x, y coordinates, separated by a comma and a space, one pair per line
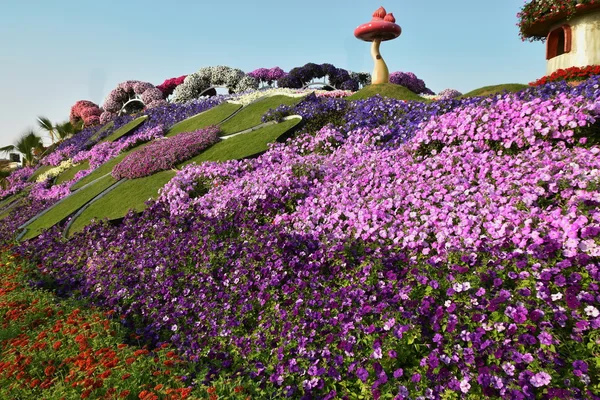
125, 129
106, 127
134, 193
487, 90
104, 169
70, 173
68, 206
131, 194
38, 172
251, 115
386, 90
210, 117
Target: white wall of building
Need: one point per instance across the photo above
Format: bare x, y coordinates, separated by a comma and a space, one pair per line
585, 43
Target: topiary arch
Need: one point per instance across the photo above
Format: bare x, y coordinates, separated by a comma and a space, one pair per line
220, 76
129, 93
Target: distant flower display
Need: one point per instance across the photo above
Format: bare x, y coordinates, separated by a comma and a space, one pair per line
448, 94
194, 84
337, 77
410, 81
267, 75
149, 95
86, 111
164, 154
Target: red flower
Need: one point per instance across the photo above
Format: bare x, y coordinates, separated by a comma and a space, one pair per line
57, 345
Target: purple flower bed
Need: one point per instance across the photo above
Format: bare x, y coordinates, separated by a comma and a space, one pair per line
104, 151
17, 181
27, 209
455, 256
164, 154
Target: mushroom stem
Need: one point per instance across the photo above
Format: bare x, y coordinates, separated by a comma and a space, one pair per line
380, 72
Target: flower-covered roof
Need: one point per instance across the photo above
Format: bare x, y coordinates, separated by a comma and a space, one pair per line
537, 16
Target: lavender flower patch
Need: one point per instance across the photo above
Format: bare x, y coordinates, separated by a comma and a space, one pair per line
164, 154
443, 264
17, 181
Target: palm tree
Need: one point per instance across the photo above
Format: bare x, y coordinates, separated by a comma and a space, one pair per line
27, 144
4, 173
46, 125
64, 130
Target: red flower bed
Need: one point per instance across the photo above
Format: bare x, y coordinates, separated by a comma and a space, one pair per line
569, 74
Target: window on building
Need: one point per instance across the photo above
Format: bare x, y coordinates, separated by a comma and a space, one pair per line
558, 42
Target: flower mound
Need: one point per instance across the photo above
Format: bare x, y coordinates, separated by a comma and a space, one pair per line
194, 84
409, 81
266, 75
149, 95
164, 154
86, 111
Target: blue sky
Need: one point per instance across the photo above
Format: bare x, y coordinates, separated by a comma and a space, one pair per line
53, 53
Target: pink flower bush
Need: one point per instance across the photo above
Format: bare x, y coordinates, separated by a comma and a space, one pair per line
163, 154
267, 75
169, 85
333, 93
128, 90
87, 111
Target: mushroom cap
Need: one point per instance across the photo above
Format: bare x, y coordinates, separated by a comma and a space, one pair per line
378, 29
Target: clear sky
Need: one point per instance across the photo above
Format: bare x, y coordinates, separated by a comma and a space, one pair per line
53, 53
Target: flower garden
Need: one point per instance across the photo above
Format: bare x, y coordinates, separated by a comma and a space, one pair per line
286, 242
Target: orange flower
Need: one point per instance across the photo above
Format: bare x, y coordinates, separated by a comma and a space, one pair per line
158, 387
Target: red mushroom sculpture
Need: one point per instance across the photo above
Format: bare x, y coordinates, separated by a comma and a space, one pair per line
381, 28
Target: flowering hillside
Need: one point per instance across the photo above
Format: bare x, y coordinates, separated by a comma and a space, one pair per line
391, 249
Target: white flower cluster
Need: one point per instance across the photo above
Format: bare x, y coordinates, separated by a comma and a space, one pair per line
52, 172
247, 98
235, 79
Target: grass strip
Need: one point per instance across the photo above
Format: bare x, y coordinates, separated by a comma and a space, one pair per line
251, 115
129, 195
69, 174
38, 172
125, 129
488, 90
206, 118
63, 209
